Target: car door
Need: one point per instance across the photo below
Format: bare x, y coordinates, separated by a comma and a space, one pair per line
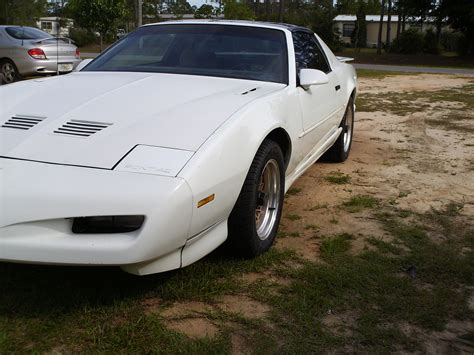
319, 103
5, 44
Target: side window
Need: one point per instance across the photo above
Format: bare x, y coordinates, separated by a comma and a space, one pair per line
308, 53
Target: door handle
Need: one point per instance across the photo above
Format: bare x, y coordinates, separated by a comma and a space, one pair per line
338, 87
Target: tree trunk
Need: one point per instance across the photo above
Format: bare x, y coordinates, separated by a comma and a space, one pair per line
439, 26
140, 13
101, 42
155, 12
389, 24
403, 22
356, 36
280, 12
399, 24
379, 39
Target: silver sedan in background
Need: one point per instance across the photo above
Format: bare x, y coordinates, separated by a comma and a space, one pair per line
27, 51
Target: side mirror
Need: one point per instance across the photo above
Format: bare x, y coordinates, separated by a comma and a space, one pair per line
83, 64
310, 77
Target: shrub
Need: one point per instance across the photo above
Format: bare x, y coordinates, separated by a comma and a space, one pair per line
205, 11
453, 42
409, 42
82, 37
337, 45
430, 44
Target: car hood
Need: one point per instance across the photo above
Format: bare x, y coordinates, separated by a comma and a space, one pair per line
51, 120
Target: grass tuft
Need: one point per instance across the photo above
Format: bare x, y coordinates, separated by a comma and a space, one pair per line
317, 207
335, 246
337, 177
293, 217
293, 191
359, 202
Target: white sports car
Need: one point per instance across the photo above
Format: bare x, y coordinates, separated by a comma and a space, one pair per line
179, 137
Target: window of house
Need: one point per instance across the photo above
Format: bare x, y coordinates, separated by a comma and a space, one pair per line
46, 26
347, 29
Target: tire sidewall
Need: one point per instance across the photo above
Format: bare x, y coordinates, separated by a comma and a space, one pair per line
261, 246
349, 109
243, 239
17, 75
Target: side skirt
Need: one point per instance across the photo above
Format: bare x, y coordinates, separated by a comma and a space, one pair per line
311, 158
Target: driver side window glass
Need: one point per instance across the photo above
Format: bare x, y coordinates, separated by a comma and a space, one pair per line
308, 54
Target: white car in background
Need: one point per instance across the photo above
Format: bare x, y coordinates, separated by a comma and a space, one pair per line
179, 137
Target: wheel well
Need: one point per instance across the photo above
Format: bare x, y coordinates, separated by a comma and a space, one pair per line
353, 93
281, 137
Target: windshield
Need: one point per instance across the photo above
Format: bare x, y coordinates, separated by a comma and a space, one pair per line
229, 51
26, 33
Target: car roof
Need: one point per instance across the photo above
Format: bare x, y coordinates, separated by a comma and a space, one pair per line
275, 25
5, 26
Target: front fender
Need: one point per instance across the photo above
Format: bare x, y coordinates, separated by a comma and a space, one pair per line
221, 164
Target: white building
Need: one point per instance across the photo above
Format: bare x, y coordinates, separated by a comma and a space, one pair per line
55, 26
345, 24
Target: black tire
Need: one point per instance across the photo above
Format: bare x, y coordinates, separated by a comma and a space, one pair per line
243, 238
9, 71
339, 152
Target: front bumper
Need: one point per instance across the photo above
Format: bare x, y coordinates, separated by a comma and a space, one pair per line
38, 202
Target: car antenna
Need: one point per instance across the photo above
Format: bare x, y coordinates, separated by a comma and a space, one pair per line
57, 45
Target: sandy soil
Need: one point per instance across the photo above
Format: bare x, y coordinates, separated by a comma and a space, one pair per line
394, 158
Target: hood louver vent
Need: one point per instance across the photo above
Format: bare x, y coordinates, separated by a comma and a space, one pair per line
22, 122
81, 128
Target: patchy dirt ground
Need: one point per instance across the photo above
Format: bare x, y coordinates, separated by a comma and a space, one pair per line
375, 255
399, 159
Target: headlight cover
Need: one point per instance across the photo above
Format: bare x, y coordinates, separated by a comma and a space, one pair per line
145, 159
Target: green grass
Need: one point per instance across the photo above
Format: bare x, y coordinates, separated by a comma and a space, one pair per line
102, 310
335, 246
293, 217
318, 207
379, 74
443, 60
451, 123
359, 202
338, 178
372, 288
293, 191
399, 103
405, 103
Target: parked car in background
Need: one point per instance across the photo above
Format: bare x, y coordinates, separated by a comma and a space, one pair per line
26, 51
182, 135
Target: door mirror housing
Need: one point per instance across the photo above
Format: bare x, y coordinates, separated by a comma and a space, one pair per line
309, 77
83, 64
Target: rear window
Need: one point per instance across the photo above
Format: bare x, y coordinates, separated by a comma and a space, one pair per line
26, 33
